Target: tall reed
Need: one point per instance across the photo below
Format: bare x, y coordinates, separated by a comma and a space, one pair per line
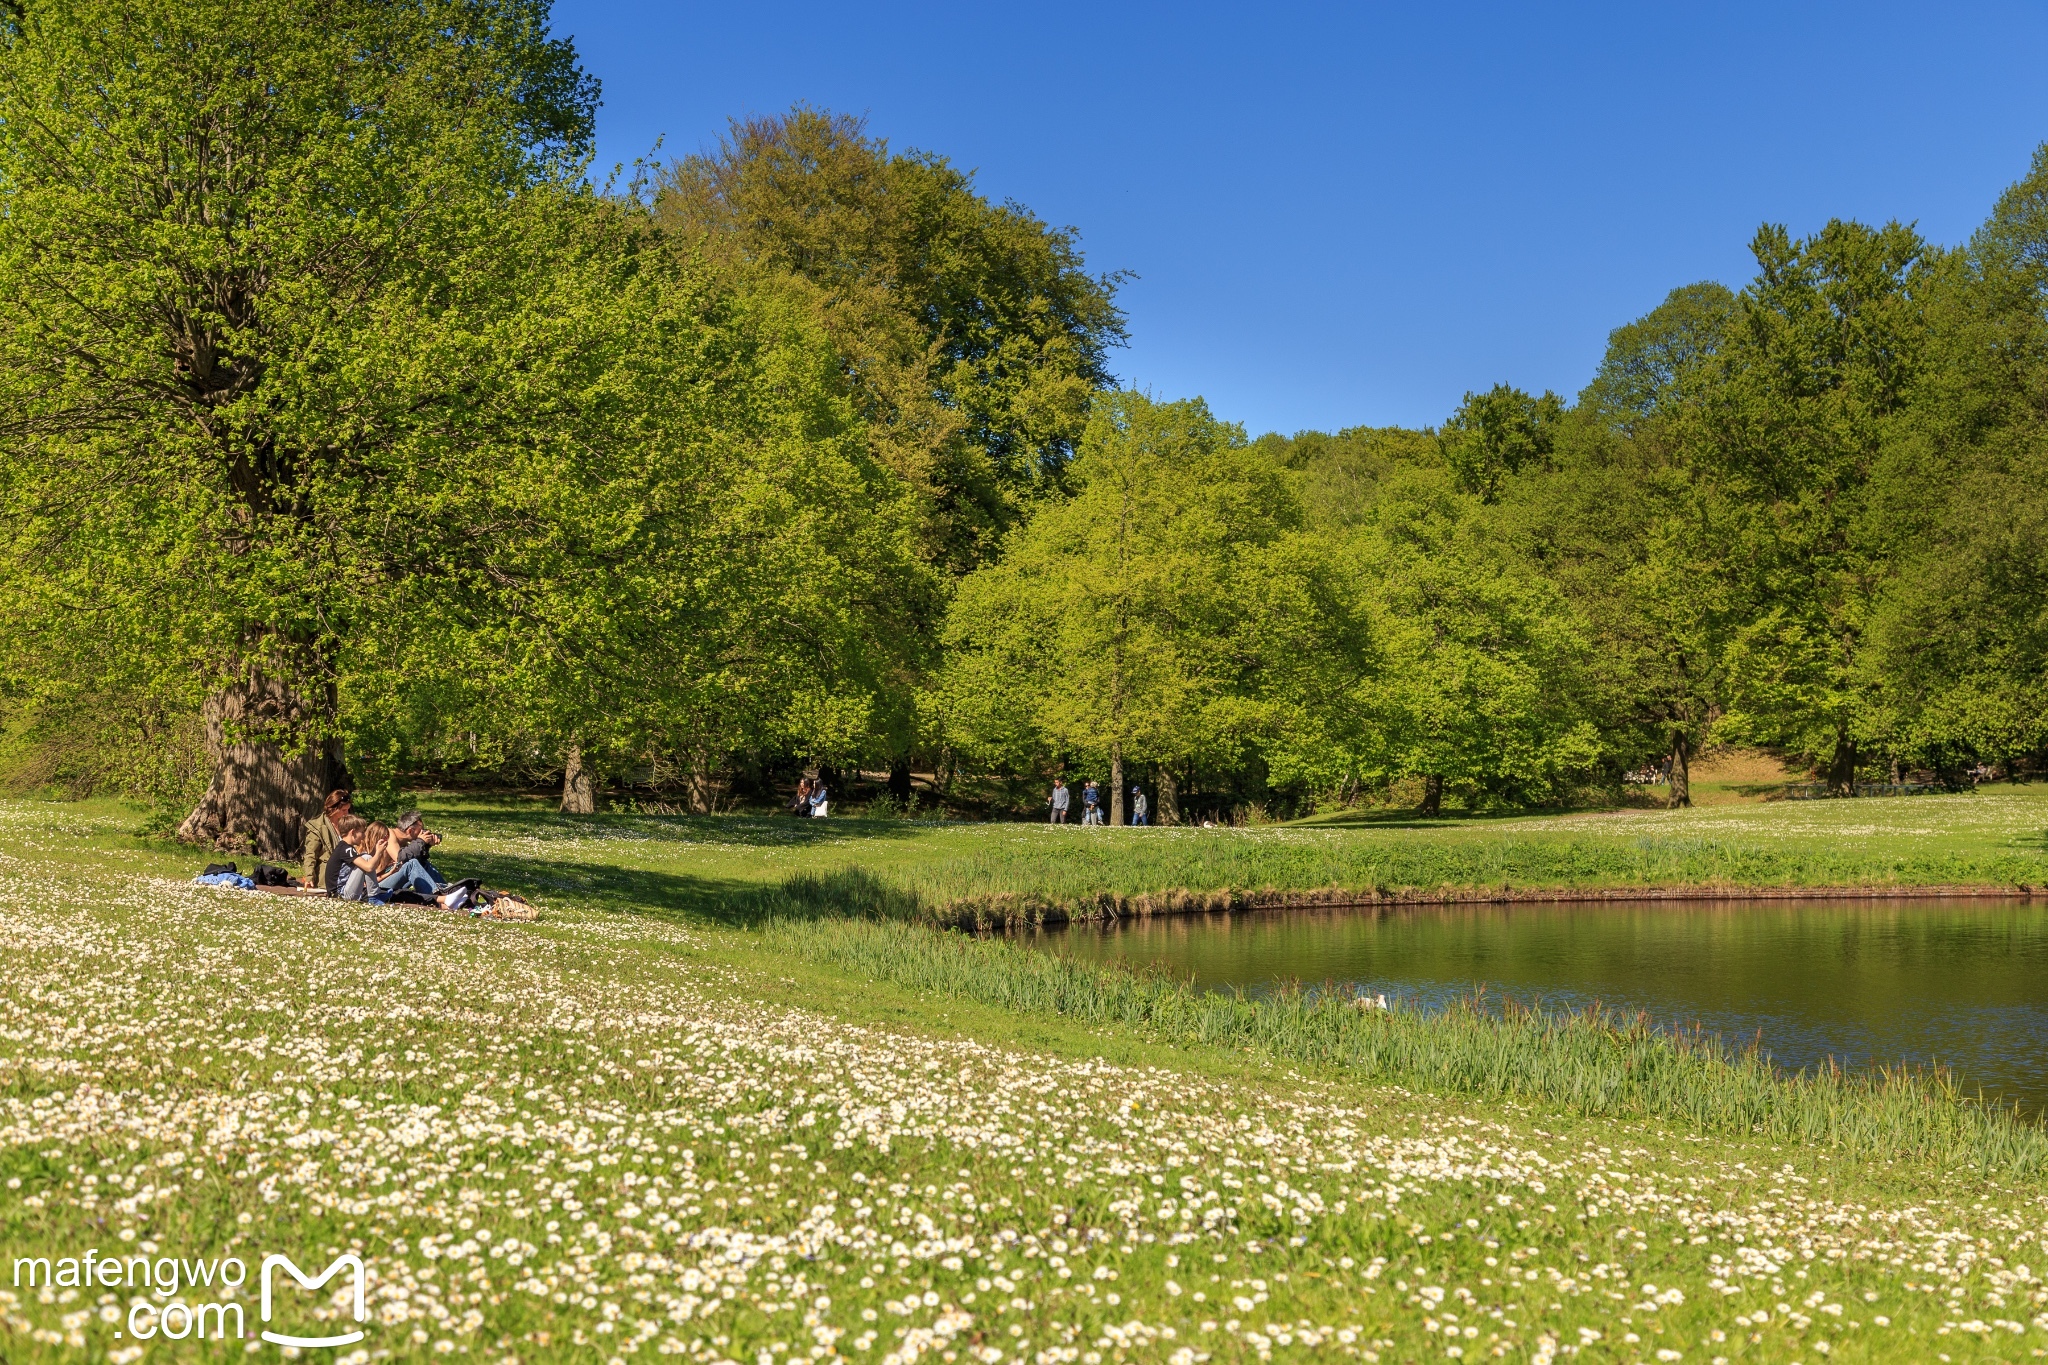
1594, 1063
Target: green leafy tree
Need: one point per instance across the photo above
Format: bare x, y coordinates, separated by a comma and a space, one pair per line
1820, 361
974, 338
1958, 642
1625, 526
335, 403
202, 205
1482, 681
1653, 363
1168, 613
1497, 434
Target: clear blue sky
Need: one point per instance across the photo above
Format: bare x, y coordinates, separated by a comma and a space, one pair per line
1352, 214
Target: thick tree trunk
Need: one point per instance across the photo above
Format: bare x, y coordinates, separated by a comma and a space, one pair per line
579, 791
1433, 794
1169, 798
1681, 771
1116, 784
899, 781
260, 797
701, 785
1842, 767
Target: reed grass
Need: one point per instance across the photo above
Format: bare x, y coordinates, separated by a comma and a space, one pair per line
1593, 1063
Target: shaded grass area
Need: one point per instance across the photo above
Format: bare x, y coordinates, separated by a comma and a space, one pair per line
1594, 1064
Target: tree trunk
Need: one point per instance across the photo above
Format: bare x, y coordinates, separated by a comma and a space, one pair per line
260, 797
899, 781
1116, 784
1681, 771
1842, 767
1433, 794
702, 789
1169, 798
579, 792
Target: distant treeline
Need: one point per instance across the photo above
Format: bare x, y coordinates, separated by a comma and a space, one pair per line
347, 429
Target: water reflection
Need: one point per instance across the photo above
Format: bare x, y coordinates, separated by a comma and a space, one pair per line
1961, 982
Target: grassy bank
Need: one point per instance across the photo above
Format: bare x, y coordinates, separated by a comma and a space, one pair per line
1996, 838
640, 1129
1586, 1063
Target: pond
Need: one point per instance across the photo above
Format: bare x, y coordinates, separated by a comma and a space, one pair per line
1960, 982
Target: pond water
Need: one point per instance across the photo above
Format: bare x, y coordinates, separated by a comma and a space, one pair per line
1960, 982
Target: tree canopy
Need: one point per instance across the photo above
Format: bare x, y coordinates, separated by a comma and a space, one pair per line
349, 432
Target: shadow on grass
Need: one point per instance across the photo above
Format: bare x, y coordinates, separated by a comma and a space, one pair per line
753, 831
845, 894
1414, 819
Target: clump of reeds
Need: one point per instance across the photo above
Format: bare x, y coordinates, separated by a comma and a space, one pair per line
1592, 1061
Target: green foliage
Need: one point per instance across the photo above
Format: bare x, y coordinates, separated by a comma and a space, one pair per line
973, 337
1656, 360
366, 394
1171, 611
1496, 435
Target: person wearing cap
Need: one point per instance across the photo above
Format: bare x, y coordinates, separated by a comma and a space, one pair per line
1138, 806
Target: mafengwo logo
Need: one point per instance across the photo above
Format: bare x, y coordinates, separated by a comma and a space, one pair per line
210, 1318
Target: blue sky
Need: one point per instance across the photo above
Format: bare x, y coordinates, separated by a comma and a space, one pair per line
1344, 215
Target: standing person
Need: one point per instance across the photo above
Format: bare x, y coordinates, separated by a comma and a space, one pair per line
821, 800
1061, 800
1138, 807
1091, 805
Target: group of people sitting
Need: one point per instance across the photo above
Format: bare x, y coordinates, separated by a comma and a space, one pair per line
813, 800
357, 859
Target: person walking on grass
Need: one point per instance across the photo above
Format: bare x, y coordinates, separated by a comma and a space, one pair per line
1138, 806
1091, 805
1061, 800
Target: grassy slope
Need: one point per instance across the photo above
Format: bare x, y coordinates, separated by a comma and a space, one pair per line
1996, 837
415, 1074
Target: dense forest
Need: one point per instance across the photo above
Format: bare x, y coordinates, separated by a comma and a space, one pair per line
353, 430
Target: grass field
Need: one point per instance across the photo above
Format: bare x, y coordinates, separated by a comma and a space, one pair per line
720, 867
697, 1111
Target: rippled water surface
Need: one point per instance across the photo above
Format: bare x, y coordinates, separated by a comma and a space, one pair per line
1959, 982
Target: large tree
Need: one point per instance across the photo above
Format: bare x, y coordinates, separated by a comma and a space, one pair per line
1637, 538
972, 335
1818, 363
335, 402
1168, 614
204, 207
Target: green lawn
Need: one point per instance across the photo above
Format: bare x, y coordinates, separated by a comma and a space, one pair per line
719, 867
666, 1120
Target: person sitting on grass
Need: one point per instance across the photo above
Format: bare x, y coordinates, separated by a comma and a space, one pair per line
411, 842
323, 833
351, 871
412, 876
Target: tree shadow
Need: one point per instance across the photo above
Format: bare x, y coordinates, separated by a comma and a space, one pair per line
1414, 819
751, 831
683, 898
